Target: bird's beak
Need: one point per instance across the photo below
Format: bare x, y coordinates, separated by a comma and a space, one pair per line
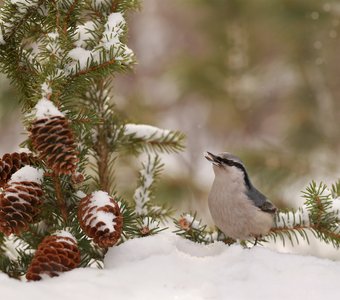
214, 159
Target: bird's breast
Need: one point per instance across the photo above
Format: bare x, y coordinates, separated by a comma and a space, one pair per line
235, 214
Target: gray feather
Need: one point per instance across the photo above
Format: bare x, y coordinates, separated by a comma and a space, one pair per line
260, 200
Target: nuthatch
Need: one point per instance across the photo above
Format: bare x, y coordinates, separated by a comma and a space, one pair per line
238, 209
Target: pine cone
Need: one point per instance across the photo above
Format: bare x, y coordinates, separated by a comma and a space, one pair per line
19, 206
100, 218
53, 139
56, 253
12, 162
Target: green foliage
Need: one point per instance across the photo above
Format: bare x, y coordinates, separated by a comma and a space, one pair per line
67, 52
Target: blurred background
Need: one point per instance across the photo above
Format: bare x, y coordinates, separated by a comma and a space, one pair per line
260, 79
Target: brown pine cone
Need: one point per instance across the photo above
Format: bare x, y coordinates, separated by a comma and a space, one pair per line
53, 139
56, 253
19, 206
100, 218
12, 162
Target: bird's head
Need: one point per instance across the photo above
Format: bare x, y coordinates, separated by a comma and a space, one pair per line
227, 164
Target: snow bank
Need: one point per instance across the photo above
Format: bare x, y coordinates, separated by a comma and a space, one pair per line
168, 267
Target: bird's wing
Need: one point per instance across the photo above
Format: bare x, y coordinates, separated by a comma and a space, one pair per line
261, 201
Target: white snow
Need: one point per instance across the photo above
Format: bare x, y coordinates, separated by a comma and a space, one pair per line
191, 220
82, 56
289, 219
2, 41
145, 131
83, 33
23, 2
142, 193
45, 109
63, 235
27, 173
168, 267
53, 43
150, 223
22, 5
336, 205
113, 30
108, 46
24, 150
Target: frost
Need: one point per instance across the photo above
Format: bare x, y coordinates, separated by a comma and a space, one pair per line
145, 131
27, 173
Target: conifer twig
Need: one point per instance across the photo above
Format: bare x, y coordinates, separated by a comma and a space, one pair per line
101, 146
60, 197
94, 68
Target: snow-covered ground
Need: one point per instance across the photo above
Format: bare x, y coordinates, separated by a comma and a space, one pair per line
168, 267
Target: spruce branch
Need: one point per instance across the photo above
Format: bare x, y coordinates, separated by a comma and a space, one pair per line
189, 227
149, 173
150, 138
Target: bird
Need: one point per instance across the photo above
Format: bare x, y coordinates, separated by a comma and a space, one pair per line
238, 209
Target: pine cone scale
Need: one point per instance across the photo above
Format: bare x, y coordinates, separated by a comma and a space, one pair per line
53, 139
55, 254
102, 223
19, 206
12, 162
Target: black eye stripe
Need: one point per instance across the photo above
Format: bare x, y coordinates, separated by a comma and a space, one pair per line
239, 166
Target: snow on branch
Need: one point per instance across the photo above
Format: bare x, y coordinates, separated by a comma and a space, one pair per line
155, 138
12, 13
89, 52
320, 215
148, 174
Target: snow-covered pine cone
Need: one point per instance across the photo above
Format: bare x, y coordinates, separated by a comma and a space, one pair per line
56, 253
100, 217
12, 162
52, 137
20, 201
